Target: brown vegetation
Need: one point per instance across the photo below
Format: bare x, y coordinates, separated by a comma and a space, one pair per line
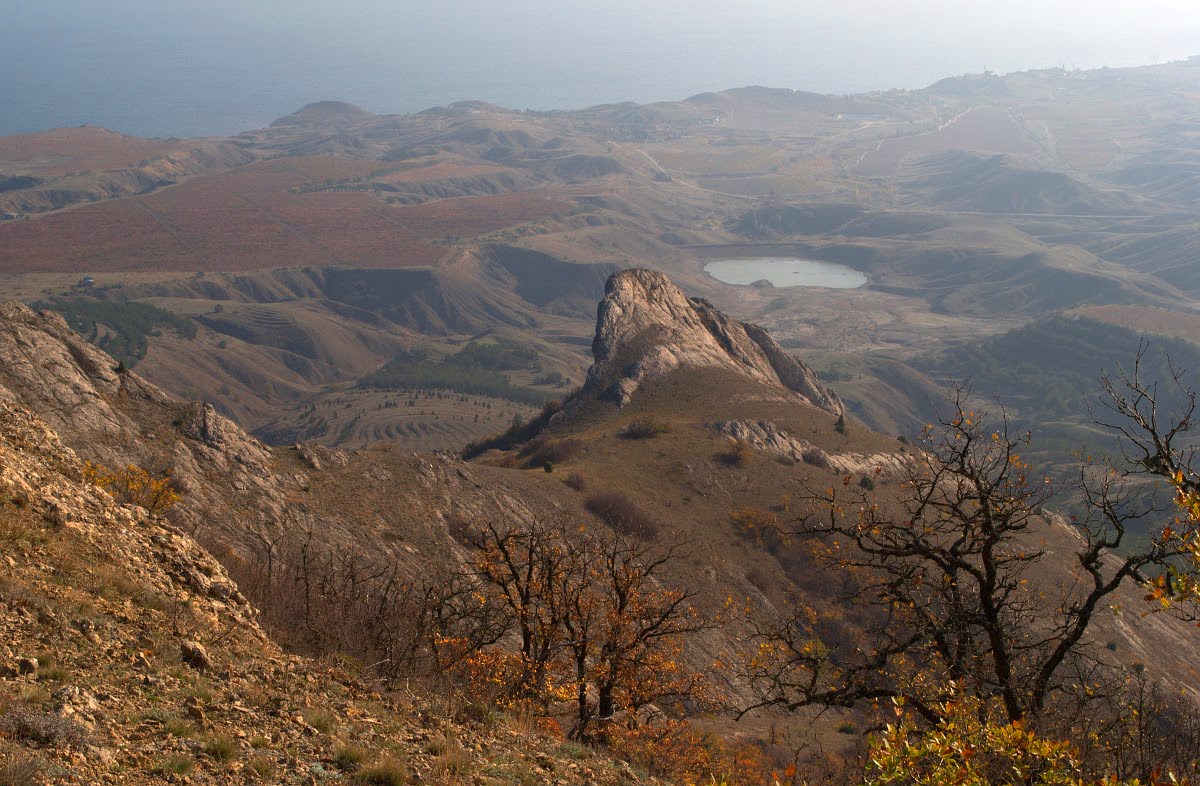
645, 428
622, 514
739, 454
518, 432
257, 217
62, 150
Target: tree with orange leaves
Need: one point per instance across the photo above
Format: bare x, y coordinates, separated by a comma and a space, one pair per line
590, 614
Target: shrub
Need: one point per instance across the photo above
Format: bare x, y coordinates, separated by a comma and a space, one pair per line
133, 485
739, 454
867, 483
457, 525
388, 772
321, 720
760, 525
542, 450
453, 761
645, 428
44, 729
262, 766
816, 457
519, 432
576, 481
840, 425
20, 771
622, 514
753, 520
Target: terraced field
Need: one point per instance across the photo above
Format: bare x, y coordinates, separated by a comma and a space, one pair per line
411, 420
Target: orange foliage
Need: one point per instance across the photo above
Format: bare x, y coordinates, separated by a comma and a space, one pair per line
133, 485
676, 749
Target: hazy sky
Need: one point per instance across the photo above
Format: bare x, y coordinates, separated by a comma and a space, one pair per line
184, 67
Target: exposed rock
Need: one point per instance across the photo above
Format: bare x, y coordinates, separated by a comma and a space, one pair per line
194, 655
646, 327
319, 457
72, 699
767, 437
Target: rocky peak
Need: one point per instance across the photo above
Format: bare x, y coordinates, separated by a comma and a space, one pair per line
646, 327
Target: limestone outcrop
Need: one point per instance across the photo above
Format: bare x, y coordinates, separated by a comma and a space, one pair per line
646, 327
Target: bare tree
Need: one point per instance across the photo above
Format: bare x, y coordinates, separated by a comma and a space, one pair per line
947, 575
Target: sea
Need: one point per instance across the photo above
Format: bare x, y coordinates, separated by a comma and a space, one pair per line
187, 68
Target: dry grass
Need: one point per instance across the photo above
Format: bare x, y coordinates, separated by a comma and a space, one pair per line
258, 217
388, 772
1147, 319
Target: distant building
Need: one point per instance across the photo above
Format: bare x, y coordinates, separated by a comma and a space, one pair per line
86, 282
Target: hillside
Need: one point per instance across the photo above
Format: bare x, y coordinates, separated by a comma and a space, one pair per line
691, 426
127, 655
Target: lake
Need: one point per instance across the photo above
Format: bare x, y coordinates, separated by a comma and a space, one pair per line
786, 272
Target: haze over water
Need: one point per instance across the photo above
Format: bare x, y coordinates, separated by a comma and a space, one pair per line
188, 68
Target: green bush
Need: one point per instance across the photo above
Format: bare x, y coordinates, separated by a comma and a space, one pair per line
475, 370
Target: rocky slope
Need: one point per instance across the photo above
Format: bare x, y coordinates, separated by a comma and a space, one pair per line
238, 494
128, 656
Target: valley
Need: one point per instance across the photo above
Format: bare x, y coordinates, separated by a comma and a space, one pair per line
311, 253
454, 429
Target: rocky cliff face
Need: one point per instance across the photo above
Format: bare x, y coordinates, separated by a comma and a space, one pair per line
646, 327
118, 419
